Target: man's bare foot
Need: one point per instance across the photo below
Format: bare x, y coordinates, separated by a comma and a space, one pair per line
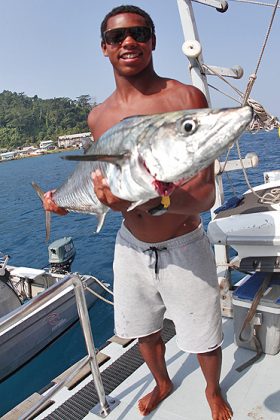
219, 407
150, 401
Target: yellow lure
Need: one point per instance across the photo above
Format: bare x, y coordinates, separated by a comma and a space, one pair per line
165, 201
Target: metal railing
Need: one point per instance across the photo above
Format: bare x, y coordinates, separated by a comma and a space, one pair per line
105, 403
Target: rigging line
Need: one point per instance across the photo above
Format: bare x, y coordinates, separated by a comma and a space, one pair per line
239, 92
254, 75
267, 34
246, 97
247, 94
225, 94
255, 2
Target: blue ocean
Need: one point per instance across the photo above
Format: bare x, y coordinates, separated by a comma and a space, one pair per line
22, 227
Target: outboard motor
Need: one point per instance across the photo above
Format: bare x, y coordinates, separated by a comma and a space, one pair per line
61, 255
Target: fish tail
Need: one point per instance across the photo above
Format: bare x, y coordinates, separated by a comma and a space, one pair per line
40, 194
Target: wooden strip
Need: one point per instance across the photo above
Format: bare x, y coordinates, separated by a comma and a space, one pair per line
124, 342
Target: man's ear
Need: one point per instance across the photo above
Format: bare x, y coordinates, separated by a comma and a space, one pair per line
154, 41
104, 48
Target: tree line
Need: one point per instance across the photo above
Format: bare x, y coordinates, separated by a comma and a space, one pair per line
27, 120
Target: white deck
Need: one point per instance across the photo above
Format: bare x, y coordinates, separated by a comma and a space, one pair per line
253, 393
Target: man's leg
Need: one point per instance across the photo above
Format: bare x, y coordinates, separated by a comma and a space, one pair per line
152, 349
210, 364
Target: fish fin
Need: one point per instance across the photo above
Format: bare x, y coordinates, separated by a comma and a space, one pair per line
103, 158
136, 204
100, 219
38, 190
40, 193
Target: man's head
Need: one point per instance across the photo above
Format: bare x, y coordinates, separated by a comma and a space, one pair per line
128, 39
126, 9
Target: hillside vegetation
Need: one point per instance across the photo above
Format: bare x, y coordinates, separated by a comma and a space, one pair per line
27, 120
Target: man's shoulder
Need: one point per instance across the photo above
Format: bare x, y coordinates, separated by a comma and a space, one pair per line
176, 84
96, 113
102, 117
189, 95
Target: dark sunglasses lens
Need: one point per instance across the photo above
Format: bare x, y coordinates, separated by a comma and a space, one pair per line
115, 36
138, 33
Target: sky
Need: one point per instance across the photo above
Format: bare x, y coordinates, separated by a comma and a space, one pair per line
51, 48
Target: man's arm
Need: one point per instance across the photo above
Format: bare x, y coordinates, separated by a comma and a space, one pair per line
196, 196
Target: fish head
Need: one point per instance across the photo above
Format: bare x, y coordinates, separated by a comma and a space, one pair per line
177, 145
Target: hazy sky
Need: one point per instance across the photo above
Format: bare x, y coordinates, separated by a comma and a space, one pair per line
51, 48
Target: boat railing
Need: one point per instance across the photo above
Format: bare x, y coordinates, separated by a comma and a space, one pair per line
106, 404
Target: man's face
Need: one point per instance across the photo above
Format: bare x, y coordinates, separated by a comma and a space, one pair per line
128, 57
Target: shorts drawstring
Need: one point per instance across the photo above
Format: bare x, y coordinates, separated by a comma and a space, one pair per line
155, 250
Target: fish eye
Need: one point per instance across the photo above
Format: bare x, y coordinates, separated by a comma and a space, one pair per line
189, 126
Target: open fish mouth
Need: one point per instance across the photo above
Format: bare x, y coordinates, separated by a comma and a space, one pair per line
164, 188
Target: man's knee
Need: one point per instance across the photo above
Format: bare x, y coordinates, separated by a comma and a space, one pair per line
150, 339
212, 353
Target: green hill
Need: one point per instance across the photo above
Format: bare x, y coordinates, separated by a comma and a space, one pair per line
28, 120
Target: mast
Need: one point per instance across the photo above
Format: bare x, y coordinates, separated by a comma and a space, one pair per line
193, 51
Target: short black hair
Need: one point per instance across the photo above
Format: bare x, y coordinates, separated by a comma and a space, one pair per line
126, 9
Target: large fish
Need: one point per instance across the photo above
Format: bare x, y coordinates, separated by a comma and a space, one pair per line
143, 157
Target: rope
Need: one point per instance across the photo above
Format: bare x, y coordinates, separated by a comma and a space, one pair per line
254, 328
253, 77
271, 197
103, 286
98, 296
261, 119
255, 2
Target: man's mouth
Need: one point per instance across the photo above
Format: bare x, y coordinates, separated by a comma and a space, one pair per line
130, 56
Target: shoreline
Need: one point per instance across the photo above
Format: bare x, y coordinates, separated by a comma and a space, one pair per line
69, 149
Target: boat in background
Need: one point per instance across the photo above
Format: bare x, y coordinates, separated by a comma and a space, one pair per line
252, 226
20, 287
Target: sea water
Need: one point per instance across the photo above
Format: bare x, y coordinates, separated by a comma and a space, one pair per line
22, 227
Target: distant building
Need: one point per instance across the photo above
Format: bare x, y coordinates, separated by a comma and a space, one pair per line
74, 140
26, 150
45, 144
8, 155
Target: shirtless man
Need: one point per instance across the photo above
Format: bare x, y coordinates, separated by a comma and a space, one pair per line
162, 260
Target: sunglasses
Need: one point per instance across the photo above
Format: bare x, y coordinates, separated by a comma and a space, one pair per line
117, 36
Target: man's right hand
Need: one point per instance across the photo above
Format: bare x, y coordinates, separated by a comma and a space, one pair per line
104, 194
49, 204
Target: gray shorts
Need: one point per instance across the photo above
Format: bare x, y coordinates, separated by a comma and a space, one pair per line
175, 277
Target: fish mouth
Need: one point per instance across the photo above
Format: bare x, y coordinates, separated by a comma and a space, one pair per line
163, 188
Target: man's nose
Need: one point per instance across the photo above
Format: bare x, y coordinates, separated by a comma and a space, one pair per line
129, 39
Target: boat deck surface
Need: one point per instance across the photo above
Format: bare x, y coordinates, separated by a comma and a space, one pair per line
253, 393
